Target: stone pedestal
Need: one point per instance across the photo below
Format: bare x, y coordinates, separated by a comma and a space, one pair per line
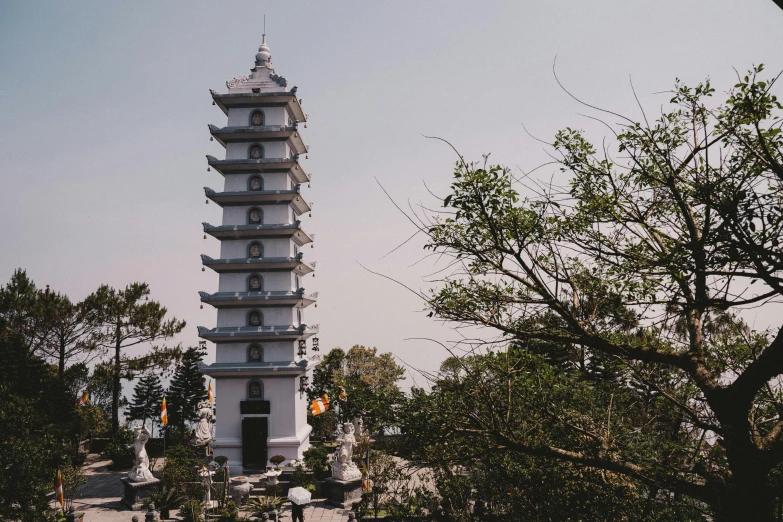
134, 491
342, 493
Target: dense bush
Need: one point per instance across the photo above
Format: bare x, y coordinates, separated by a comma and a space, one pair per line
119, 449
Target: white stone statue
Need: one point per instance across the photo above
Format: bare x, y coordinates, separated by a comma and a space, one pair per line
203, 429
358, 427
343, 467
141, 463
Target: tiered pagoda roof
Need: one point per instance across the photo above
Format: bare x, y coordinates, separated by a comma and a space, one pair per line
243, 334
258, 299
252, 166
292, 231
266, 264
257, 197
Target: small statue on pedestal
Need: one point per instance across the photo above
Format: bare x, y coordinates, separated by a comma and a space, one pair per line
141, 463
203, 430
343, 467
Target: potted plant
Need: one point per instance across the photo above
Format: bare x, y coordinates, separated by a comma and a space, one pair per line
166, 499
277, 460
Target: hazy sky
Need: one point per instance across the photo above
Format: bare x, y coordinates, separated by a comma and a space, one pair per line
104, 109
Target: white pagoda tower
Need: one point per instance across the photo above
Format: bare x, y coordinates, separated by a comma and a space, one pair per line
260, 370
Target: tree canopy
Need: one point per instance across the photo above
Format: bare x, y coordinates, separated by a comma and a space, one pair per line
638, 265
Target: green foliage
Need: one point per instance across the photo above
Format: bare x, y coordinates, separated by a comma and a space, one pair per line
301, 477
618, 295
316, 457
73, 477
371, 384
166, 498
126, 318
26, 447
191, 511
147, 397
259, 505
187, 389
181, 467
119, 449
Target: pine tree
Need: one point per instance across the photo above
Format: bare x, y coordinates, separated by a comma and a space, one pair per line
187, 389
147, 395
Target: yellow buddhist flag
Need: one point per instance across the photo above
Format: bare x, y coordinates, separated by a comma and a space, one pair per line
164, 415
58, 488
209, 394
320, 405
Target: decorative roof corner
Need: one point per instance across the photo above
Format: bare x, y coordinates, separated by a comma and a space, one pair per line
279, 80
206, 225
293, 89
213, 128
213, 92
209, 192
203, 330
211, 159
204, 295
206, 259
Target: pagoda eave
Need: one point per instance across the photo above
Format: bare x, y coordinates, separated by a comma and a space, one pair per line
234, 334
258, 166
296, 234
270, 369
262, 134
263, 99
257, 299
260, 197
269, 264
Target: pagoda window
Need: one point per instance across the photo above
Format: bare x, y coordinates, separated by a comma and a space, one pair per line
293, 216
257, 119
299, 316
255, 353
254, 318
255, 390
255, 183
255, 283
255, 250
255, 216
255, 151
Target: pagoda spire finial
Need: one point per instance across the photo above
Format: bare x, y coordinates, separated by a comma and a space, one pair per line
264, 57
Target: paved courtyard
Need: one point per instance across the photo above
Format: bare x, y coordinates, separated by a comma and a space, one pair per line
100, 498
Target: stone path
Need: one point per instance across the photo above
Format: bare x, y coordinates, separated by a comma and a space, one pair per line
100, 498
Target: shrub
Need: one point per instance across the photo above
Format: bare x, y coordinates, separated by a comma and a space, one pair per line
181, 467
191, 511
276, 460
316, 460
119, 450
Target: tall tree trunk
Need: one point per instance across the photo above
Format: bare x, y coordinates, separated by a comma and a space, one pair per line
61, 368
116, 385
747, 500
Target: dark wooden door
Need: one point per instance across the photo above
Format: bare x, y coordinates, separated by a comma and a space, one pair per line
254, 433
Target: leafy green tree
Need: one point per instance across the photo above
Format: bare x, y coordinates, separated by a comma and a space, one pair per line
371, 383
25, 457
369, 379
446, 430
147, 398
71, 330
187, 388
644, 260
325, 424
126, 318
22, 310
